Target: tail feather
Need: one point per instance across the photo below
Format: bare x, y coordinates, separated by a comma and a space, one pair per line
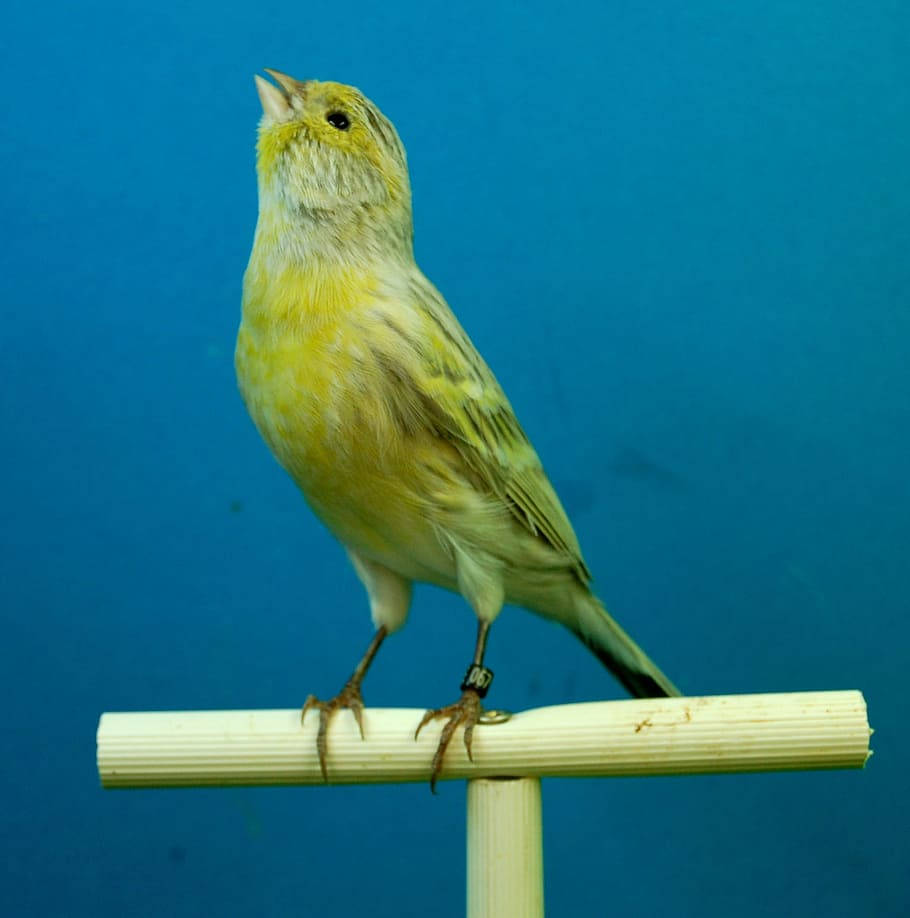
619, 653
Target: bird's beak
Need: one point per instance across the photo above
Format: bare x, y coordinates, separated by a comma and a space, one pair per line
287, 83
276, 103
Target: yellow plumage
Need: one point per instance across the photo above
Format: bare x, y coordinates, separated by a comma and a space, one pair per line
371, 395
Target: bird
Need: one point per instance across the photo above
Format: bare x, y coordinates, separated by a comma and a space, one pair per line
371, 395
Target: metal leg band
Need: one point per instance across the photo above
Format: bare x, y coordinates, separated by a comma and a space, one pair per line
478, 678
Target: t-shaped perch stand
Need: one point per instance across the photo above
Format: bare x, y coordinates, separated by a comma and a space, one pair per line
654, 736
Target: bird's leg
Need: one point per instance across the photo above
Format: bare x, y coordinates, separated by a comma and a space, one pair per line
467, 710
348, 697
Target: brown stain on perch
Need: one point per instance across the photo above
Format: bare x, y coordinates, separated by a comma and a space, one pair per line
647, 722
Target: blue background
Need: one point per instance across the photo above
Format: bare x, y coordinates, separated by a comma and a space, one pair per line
678, 232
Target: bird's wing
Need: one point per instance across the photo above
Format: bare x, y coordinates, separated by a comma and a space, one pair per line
441, 378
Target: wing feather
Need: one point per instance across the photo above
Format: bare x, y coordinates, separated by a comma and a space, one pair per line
455, 393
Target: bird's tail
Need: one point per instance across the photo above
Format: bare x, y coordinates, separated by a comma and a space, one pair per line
618, 652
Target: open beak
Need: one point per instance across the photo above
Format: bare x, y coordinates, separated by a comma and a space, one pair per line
276, 103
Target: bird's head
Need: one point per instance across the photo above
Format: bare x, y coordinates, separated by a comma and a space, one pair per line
325, 149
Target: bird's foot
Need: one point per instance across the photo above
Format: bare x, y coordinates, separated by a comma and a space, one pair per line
349, 697
464, 713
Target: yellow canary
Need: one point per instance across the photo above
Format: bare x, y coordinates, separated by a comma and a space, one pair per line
373, 398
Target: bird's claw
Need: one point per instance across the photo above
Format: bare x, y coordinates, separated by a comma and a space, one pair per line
463, 713
349, 697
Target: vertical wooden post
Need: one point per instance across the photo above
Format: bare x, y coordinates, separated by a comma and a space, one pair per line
505, 849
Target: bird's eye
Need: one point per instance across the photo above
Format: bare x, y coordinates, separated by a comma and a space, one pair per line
338, 120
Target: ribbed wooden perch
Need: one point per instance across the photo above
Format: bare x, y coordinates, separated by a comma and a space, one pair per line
663, 736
